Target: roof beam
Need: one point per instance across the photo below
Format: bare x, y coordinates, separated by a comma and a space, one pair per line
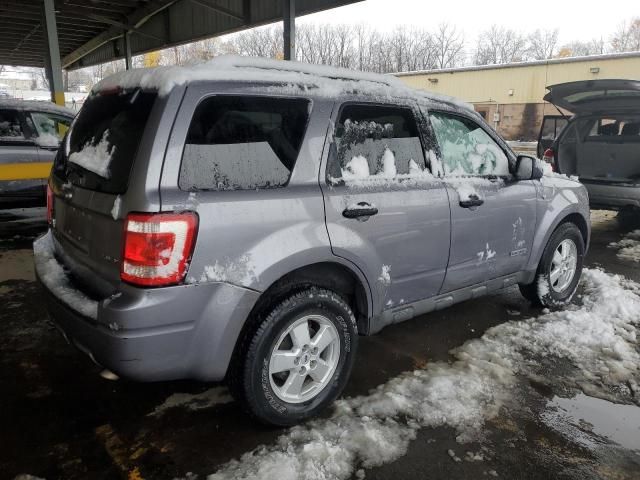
218, 9
138, 18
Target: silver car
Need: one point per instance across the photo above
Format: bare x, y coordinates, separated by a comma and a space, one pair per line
248, 222
600, 143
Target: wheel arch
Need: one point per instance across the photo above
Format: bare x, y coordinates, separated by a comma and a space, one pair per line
331, 275
567, 216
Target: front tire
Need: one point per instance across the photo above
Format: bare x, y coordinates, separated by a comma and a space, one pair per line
298, 360
559, 269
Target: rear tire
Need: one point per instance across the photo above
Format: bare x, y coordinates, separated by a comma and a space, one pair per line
559, 269
298, 360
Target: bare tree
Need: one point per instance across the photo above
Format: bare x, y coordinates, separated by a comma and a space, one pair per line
500, 45
582, 49
259, 42
542, 44
448, 46
627, 37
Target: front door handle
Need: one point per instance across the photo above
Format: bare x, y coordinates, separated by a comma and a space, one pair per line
362, 209
473, 201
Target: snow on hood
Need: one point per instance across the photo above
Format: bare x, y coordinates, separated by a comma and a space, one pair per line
330, 81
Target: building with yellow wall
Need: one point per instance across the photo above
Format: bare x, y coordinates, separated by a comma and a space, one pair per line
510, 96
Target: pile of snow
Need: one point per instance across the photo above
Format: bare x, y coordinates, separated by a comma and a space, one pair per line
356, 169
323, 80
193, 402
54, 277
547, 170
47, 140
95, 158
629, 247
599, 338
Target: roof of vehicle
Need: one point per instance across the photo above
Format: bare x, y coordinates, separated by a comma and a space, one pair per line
318, 79
35, 105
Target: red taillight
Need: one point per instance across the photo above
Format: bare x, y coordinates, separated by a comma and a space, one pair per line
157, 247
50, 198
548, 157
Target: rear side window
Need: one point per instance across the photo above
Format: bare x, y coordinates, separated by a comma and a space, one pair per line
10, 126
466, 148
375, 141
103, 141
243, 142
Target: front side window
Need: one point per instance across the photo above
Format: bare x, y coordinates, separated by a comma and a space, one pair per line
242, 142
375, 141
49, 127
466, 149
10, 126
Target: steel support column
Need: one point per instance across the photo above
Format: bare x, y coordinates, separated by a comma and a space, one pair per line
289, 31
52, 60
126, 38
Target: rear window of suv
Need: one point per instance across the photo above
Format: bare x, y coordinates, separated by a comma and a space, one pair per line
243, 142
103, 141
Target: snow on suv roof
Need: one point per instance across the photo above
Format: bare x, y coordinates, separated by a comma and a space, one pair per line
329, 81
38, 105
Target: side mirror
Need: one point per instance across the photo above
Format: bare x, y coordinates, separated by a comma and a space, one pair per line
528, 168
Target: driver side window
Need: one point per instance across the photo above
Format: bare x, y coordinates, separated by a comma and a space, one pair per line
466, 149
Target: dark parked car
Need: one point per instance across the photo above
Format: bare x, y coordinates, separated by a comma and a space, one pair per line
600, 143
247, 222
30, 133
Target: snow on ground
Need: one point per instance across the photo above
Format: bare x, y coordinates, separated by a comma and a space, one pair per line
599, 338
95, 158
198, 401
52, 274
629, 247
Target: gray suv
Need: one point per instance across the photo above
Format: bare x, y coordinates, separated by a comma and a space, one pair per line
248, 222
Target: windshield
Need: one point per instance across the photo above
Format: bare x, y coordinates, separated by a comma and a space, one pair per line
103, 141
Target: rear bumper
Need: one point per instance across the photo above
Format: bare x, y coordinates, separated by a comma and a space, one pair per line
612, 195
186, 331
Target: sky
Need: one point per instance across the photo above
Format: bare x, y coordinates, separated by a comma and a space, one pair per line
575, 20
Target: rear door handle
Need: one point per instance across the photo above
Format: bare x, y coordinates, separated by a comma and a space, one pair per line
362, 209
473, 201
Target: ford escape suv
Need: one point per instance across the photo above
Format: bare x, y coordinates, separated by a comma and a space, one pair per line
248, 219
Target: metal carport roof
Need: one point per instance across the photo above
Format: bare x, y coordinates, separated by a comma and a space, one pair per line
92, 31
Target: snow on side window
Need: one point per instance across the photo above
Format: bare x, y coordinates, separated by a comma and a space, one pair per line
243, 143
375, 142
466, 148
